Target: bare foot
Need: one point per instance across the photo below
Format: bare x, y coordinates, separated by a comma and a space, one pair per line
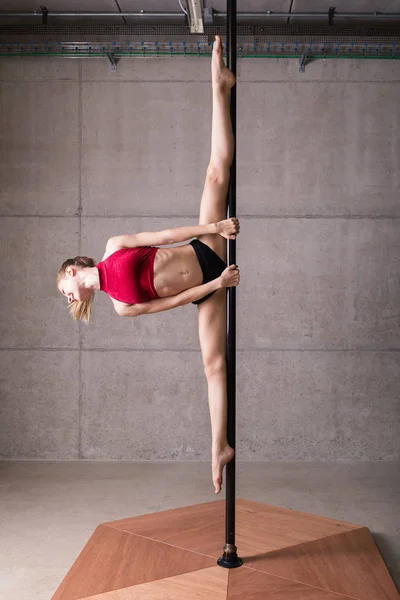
222, 77
219, 460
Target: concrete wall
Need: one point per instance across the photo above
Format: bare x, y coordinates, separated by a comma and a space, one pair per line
87, 154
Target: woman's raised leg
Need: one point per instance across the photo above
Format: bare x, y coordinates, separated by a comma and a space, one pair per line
213, 201
212, 312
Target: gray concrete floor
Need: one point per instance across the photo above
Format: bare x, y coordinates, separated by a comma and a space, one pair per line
48, 510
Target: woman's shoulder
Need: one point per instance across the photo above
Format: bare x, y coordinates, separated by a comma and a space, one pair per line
111, 250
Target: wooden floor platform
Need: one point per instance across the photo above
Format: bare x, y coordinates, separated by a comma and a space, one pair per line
171, 555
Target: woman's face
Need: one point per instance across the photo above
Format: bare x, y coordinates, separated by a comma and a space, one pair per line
71, 286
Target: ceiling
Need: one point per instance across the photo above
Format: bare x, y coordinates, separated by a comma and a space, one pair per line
247, 6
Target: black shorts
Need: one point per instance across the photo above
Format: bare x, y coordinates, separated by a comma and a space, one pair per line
211, 264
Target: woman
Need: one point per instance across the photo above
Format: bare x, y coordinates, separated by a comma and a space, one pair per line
165, 278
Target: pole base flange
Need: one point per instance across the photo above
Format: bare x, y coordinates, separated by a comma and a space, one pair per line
229, 559
230, 563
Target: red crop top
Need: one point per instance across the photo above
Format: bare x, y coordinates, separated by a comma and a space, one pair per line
127, 275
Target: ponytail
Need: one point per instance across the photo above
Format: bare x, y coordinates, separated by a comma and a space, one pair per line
79, 309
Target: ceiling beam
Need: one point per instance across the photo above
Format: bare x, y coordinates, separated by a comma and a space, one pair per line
195, 16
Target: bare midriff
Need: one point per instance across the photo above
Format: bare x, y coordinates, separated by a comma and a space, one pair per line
175, 270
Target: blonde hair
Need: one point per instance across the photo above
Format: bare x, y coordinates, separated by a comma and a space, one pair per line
79, 309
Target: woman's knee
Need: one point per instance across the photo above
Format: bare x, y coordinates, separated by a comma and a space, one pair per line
214, 365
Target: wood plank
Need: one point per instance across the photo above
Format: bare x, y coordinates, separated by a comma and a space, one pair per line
113, 559
260, 528
245, 584
250, 506
348, 563
200, 527
207, 584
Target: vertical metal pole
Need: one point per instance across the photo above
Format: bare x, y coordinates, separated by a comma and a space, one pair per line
230, 559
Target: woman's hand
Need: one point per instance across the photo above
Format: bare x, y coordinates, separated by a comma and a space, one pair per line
230, 277
228, 228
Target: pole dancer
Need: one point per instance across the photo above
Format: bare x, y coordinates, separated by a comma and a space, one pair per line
142, 278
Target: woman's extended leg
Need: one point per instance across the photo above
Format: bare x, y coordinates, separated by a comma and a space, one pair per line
212, 334
212, 312
213, 200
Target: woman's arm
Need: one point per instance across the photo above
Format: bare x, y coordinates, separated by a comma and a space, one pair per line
228, 228
229, 278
